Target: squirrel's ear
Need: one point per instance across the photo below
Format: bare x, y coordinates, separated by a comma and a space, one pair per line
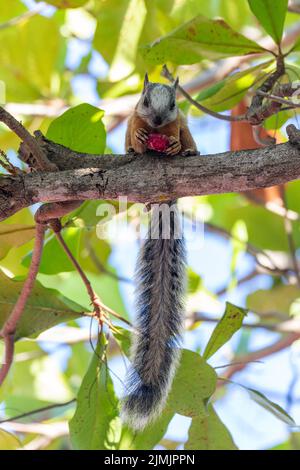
146, 81
175, 84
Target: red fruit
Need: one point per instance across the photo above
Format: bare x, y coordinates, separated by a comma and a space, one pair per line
158, 142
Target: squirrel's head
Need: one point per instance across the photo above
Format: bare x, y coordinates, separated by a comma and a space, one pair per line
157, 105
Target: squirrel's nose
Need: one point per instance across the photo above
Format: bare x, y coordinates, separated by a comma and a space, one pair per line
157, 120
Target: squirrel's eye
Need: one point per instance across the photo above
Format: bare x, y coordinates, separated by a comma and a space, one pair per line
172, 106
146, 102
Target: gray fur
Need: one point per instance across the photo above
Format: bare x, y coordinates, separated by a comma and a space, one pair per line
160, 313
161, 103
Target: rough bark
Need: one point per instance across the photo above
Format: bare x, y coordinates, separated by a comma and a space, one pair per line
148, 177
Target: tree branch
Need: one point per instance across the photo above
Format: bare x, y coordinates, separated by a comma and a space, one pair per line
278, 99
294, 7
148, 177
9, 328
288, 326
38, 410
15, 126
224, 117
283, 343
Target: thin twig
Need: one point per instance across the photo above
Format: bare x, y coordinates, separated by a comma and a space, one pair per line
24, 16
240, 281
30, 142
167, 74
251, 249
7, 165
233, 364
278, 99
257, 112
96, 302
9, 327
294, 7
47, 433
102, 269
38, 410
278, 346
286, 326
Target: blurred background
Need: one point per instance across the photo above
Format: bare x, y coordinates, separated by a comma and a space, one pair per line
55, 58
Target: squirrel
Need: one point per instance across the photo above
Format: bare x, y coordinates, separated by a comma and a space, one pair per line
160, 270
157, 112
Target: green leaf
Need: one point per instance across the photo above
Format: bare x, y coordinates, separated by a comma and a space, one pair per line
9, 441
193, 374
207, 432
296, 46
14, 235
194, 382
279, 299
16, 8
210, 91
293, 443
229, 324
95, 424
80, 128
123, 338
45, 308
35, 380
70, 285
259, 223
236, 13
77, 364
233, 88
292, 195
29, 72
120, 24
271, 16
194, 281
269, 405
20, 383
92, 213
54, 259
65, 3
153, 433
169, 444
81, 243
239, 247
149, 437
277, 120
224, 210
199, 38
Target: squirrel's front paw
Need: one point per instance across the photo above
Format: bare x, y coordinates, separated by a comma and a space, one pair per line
141, 136
174, 146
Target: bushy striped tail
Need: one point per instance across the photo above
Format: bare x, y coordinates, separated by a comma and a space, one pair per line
155, 351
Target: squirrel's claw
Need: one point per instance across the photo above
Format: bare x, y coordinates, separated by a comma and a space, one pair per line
174, 147
141, 135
